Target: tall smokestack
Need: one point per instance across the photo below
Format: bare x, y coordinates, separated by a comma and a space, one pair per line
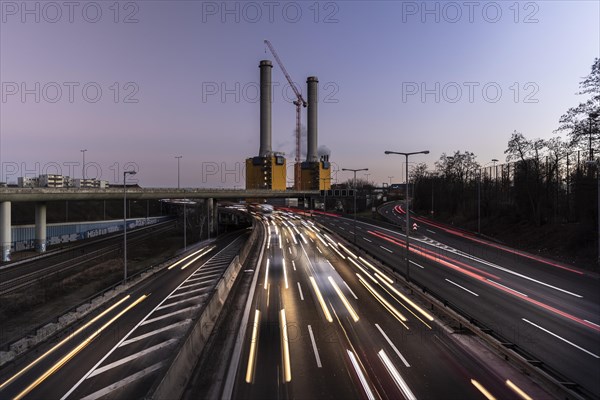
313, 95
265, 108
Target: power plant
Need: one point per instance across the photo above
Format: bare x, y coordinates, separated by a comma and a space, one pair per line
268, 169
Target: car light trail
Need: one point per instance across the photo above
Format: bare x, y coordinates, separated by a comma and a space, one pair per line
406, 299
253, 346
320, 298
400, 382
196, 258
376, 269
483, 390
284, 273
267, 273
62, 342
339, 254
383, 301
517, 390
292, 235
285, 345
304, 239
361, 376
347, 304
347, 250
364, 271
280, 245
77, 349
393, 346
185, 258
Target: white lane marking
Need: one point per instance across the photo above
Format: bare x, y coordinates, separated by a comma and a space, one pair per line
414, 263
290, 250
186, 293
203, 283
300, 289
386, 249
393, 346
319, 250
149, 321
155, 332
430, 231
561, 338
294, 265
133, 357
351, 292
462, 287
400, 382
370, 241
331, 265
341, 228
267, 273
176, 303
590, 322
284, 272
506, 287
123, 382
314, 345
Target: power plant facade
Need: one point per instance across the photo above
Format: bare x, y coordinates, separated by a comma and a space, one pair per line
268, 169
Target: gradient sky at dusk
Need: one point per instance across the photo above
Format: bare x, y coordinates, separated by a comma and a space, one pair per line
367, 55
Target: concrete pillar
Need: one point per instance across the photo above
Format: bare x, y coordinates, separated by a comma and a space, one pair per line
40, 227
210, 215
5, 233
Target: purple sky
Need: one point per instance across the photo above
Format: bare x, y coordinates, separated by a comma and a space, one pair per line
373, 60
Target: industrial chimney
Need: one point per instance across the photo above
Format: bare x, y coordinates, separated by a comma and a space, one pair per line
265, 108
313, 96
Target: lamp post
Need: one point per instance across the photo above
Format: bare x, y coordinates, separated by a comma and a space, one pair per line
355, 171
83, 164
125, 173
406, 155
367, 175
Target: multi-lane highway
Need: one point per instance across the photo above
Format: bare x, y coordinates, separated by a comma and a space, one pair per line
549, 309
121, 351
326, 323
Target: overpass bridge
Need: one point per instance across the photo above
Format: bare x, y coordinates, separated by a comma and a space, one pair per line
40, 196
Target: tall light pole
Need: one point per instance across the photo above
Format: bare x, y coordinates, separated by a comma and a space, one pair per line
178, 158
406, 155
83, 164
125, 173
355, 190
367, 175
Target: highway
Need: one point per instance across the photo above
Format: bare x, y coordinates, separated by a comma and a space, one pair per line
324, 323
119, 351
548, 309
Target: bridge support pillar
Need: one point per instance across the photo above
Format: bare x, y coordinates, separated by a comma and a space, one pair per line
5, 233
40, 227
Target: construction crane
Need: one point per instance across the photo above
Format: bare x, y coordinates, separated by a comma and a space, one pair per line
299, 103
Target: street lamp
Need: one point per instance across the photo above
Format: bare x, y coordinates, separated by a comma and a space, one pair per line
407, 206
83, 165
355, 171
178, 158
125, 173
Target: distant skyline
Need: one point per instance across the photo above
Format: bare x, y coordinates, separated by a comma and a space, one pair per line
139, 84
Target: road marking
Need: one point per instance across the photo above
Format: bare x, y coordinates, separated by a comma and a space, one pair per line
285, 345
370, 241
414, 263
386, 249
462, 287
314, 345
361, 377
506, 287
330, 264
351, 292
133, 357
267, 273
393, 346
400, 382
301, 295
149, 321
284, 273
123, 382
157, 331
561, 338
176, 303
319, 250
290, 250
430, 231
203, 283
294, 265
185, 293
